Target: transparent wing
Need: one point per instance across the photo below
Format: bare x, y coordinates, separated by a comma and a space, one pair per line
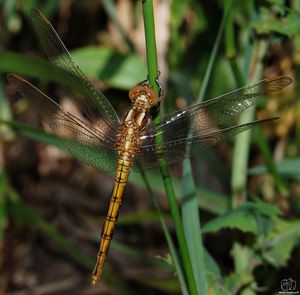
217, 113
89, 144
204, 124
90, 100
180, 149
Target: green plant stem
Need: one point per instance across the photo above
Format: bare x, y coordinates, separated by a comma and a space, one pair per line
152, 76
171, 245
229, 37
183, 249
5, 113
264, 149
242, 141
149, 26
213, 55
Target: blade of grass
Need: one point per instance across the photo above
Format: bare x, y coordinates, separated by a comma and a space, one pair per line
192, 228
171, 246
206, 199
242, 141
213, 55
190, 211
29, 65
5, 133
140, 217
152, 76
5, 113
272, 168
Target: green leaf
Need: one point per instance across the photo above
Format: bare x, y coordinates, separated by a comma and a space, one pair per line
12, 62
281, 241
120, 71
235, 281
289, 168
214, 277
246, 218
245, 262
289, 25
237, 219
139, 217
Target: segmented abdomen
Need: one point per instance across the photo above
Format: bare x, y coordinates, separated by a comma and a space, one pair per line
124, 165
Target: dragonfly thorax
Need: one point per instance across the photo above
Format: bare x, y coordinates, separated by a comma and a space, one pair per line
141, 104
128, 139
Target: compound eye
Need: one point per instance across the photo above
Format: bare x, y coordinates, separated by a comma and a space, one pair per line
134, 92
152, 96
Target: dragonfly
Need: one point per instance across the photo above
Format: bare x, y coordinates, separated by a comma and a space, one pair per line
111, 144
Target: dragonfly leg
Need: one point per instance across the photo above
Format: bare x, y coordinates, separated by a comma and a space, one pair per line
160, 88
146, 81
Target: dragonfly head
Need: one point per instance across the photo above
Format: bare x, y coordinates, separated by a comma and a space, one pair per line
142, 92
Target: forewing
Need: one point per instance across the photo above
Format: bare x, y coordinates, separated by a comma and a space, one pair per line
90, 100
217, 113
180, 149
89, 144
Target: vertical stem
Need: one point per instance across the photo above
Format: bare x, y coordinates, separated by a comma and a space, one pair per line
170, 242
150, 43
213, 55
152, 76
242, 141
5, 114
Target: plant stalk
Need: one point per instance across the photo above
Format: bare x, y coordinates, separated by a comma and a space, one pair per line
152, 77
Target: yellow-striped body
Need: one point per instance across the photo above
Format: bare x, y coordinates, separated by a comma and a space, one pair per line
128, 144
123, 169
